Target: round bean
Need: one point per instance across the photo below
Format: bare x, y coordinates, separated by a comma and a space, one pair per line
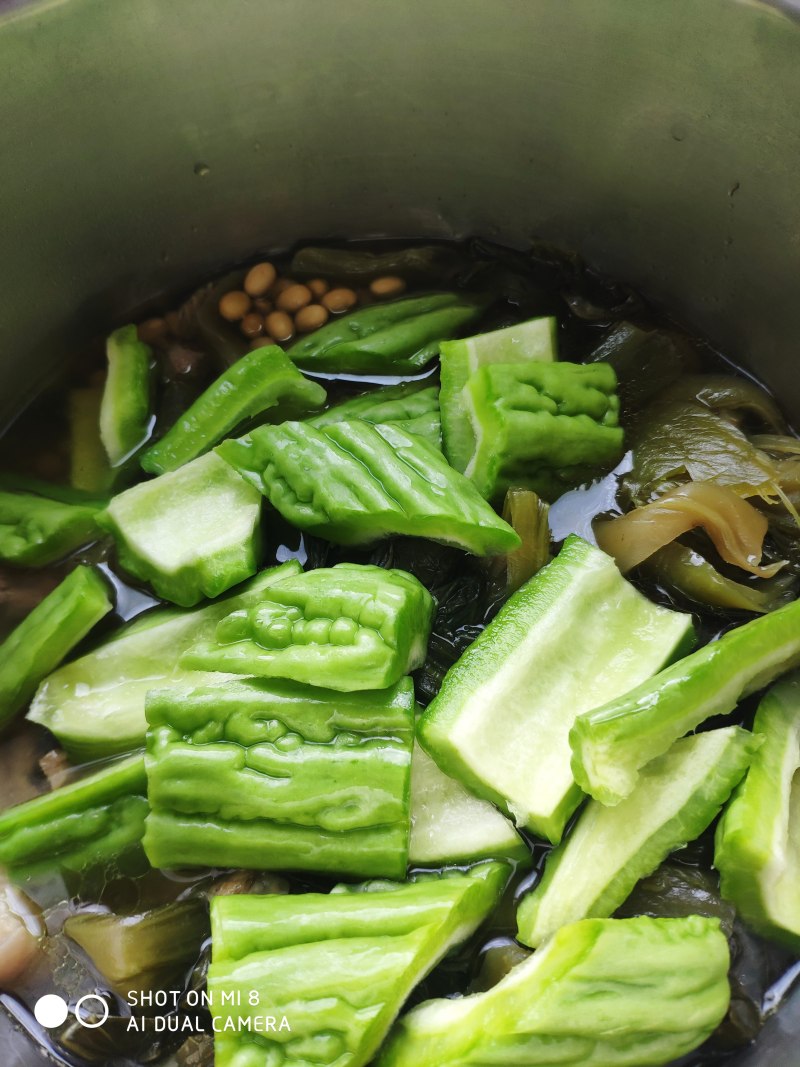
234, 305
387, 286
261, 342
293, 298
339, 300
152, 331
280, 326
259, 278
310, 318
318, 287
252, 324
279, 286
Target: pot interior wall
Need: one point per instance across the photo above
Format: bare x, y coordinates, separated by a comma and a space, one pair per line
145, 143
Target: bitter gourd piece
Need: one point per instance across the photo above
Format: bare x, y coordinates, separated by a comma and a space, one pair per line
542, 426
95, 704
192, 533
263, 379
609, 850
347, 627
352, 483
600, 993
89, 823
572, 636
757, 849
338, 966
399, 337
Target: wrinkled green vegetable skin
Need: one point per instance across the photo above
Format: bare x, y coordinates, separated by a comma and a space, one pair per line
35, 530
275, 776
347, 627
339, 966
263, 379
612, 743
572, 636
95, 704
459, 360
47, 634
758, 838
542, 426
400, 337
600, 993
88, 824
609, 850
352, 483
414, 406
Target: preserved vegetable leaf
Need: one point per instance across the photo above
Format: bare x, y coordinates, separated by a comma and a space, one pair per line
736, 528
142, 952
681, 570
358, 265
676, 440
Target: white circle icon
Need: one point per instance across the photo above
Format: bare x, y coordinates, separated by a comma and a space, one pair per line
50, 1011
102, 1015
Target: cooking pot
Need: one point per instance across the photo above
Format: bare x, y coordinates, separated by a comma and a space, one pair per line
144, 144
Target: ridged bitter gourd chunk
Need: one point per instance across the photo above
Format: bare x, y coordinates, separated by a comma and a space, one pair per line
354, 482
346, 627
261, 380
572, 636
95, 704
45, 636
339, 966
414, 406
609, 850
398, 337
542, 426
758, 837
277, 776
89, 823
36, 530
612, 743
600, 993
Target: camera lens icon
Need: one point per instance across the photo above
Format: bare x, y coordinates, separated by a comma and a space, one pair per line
51, 1011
